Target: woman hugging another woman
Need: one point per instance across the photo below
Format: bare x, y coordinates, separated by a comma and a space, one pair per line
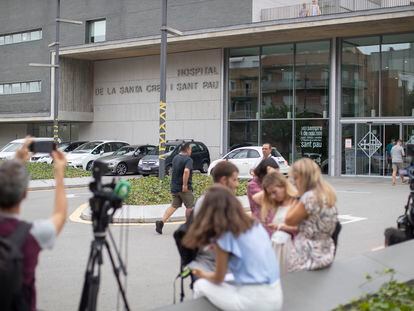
277, 197
316, 217
242, 247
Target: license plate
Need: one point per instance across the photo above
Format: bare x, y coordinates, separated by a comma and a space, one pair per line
146, 168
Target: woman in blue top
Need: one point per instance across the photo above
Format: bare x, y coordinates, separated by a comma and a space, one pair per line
242, 247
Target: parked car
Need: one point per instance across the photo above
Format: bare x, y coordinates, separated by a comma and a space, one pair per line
201, 157
64, 147
125, 160
83, 156
247, 158
8, 151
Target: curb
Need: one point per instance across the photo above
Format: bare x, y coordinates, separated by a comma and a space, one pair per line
147, 213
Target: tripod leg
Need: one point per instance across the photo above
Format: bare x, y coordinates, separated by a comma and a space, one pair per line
91, 283
116, 273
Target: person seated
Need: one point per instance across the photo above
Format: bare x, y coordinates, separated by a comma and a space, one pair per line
255, 185
277, 197
39, 235
242, 247
316, 216
226, 174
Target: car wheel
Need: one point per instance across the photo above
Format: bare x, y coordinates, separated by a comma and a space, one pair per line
121, 169
168, 170
89, 166
204, 167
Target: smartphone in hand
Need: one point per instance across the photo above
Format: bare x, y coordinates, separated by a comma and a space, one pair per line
42, 146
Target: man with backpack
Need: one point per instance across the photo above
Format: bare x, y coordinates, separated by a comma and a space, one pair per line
20, 241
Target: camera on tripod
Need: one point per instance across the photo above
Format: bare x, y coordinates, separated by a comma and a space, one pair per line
106, 199
405, 222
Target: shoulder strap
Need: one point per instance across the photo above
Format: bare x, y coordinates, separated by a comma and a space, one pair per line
18, 237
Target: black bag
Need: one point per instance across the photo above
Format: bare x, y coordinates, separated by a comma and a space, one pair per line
335, 235
186, 254
12, 297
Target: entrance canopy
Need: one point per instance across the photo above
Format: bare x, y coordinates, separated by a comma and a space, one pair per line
400, 19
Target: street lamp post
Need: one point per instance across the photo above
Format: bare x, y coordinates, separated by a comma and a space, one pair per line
57, 77
163, 90
163, 85
56, 67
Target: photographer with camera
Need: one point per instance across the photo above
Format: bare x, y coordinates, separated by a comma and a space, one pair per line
20, 241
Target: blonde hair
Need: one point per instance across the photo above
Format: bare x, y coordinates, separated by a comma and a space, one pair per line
278, 180
311, 179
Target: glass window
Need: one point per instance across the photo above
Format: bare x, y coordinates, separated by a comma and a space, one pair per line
1, 40
1, 89
17, 38
360, 94
26, 36
243, 133
312, 79
312, 141
397, 75
277, 81
348, 149
7, 89
244, 79
34, 87
16, 88
253, 154
36, 35
278, 134
242, 154
96, 31
8, 39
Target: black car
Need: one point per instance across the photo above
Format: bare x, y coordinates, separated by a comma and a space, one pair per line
125, 160
70, 145
201, 157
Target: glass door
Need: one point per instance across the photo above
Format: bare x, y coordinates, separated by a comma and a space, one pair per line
408, 138
369, 158
391, 134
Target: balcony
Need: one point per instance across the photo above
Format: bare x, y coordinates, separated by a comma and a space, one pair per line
328, 7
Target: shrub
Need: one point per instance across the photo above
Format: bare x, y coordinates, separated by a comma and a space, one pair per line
153, 191
45, 171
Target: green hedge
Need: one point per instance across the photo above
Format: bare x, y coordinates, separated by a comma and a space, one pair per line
152, 191
45, 171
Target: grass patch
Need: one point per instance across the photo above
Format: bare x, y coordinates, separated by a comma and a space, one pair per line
153, 191
45, 171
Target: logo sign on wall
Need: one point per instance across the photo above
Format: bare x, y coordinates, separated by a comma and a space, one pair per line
369, 144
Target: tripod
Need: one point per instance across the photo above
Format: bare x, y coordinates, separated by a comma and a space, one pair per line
93, 272
93, 268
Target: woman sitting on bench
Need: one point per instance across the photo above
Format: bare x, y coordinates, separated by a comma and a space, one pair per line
242, 246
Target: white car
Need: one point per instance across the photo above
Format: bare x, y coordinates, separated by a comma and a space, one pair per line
84, 156
247, 158
8, 151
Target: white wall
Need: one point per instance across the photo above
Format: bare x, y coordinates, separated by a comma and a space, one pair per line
134, 117
9, 132
259, 5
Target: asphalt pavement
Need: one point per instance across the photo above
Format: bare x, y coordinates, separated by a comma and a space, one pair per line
366, 205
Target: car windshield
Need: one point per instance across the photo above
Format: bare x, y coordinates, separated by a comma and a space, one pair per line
88, 147
123, 151
168, 150
11, 147
63, 146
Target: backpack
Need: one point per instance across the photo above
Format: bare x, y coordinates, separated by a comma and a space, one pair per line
187, 255
12, 297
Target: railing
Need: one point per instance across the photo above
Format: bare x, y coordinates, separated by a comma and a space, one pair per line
327, 7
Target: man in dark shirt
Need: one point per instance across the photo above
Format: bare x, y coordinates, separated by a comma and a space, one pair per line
181, 185
14, 180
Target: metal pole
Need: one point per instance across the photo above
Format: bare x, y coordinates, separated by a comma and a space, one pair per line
163, 90
57, 77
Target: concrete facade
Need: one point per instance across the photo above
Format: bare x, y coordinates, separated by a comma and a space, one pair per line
126, 97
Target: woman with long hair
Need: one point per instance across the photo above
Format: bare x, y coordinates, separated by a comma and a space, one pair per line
316, 217
242, 247
277, 197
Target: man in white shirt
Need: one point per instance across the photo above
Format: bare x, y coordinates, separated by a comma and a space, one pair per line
397, 154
